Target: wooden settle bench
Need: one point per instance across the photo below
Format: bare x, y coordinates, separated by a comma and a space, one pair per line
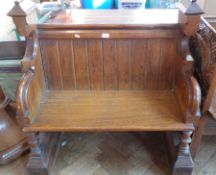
96, 71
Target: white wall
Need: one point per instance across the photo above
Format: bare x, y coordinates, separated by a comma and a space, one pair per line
6, 24
209, 6
201, 3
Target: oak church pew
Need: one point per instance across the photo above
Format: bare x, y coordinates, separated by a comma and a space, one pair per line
88, 71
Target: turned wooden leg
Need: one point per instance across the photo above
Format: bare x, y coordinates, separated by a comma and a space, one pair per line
44, 148
184, 163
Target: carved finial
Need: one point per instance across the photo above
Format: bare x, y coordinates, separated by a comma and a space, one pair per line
189, 7
16, 10
19, 13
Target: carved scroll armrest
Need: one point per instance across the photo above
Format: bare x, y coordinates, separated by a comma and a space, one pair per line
22, 96
32, 84
196, 97
189, 97
187, 88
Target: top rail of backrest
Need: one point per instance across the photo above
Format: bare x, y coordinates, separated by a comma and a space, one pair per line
163, 28
187, 16
111, 24
113, 19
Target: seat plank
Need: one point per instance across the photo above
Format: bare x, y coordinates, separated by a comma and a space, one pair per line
109, 111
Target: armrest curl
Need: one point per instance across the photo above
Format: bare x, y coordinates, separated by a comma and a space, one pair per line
32, 84
22, 96
196, 97
188, 93
187, 88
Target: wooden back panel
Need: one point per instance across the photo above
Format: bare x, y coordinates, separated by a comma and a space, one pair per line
109, 64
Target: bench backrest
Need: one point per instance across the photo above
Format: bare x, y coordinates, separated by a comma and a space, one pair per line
111, 50
109, 64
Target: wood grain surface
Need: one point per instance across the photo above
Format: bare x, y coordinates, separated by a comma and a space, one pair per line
109, 111
122, 64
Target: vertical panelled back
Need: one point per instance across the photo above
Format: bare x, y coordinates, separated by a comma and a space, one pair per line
109, 64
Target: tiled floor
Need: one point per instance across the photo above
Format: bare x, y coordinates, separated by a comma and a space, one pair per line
119, 154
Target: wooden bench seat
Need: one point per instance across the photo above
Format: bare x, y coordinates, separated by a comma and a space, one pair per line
109, 111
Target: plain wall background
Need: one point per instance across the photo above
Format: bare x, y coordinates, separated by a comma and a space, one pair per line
210, 8
6, 24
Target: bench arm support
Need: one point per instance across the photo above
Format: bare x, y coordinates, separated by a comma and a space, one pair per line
187, 88
22, 96
32, 84
189, 97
